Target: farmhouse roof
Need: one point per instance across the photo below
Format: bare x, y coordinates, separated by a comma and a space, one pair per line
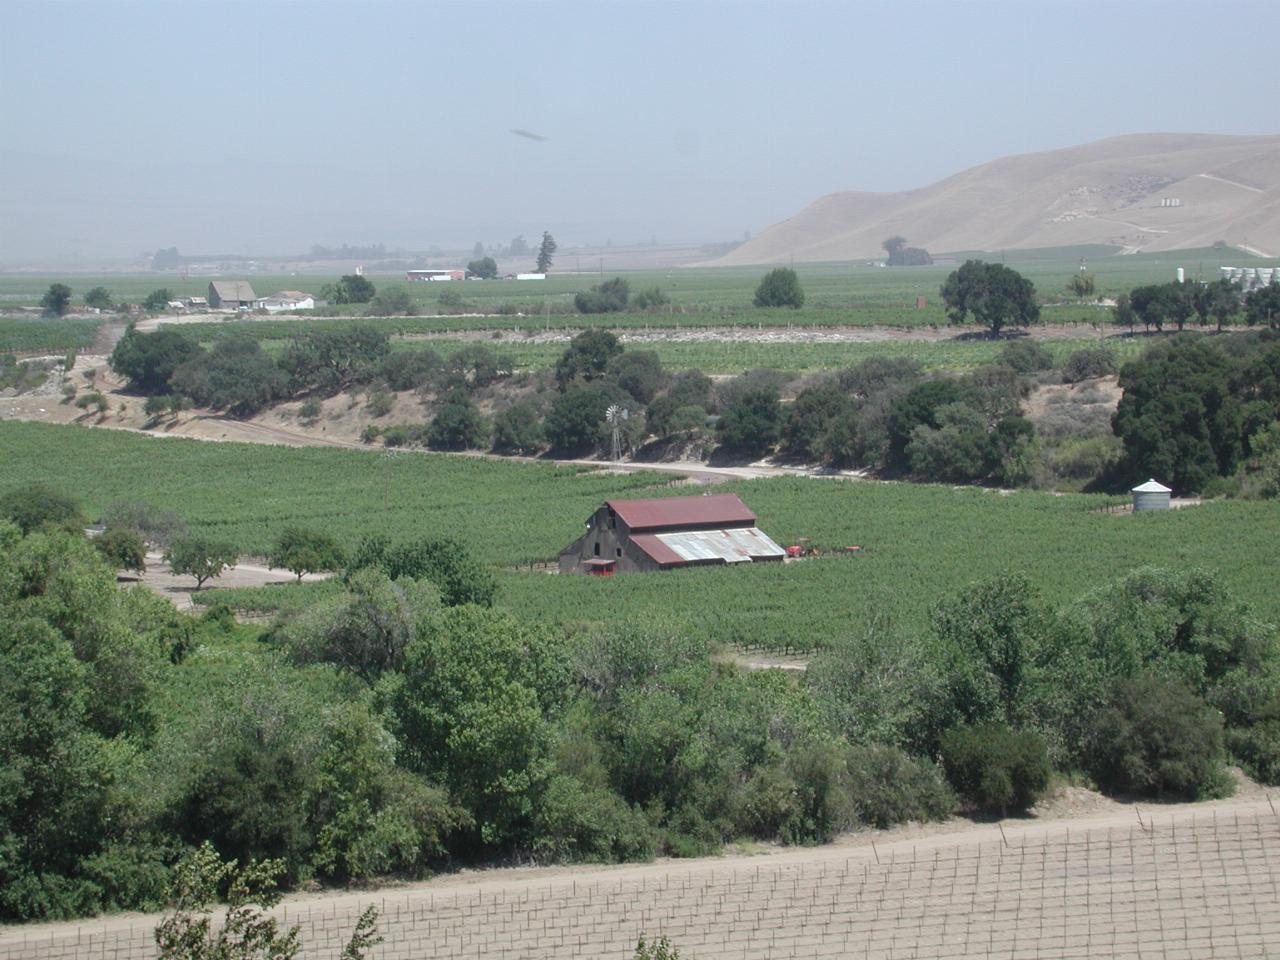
736, 545
291, 295
723, 510
233, 289
1151, 486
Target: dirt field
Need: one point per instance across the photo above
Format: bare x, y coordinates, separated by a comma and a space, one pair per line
1087, 878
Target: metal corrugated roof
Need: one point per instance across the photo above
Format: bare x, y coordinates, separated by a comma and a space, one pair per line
723, 509
737, 545
1151, 486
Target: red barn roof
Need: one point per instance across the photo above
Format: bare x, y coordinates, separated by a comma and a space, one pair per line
721, 510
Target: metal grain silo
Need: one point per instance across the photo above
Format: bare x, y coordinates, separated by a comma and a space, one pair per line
1151, 495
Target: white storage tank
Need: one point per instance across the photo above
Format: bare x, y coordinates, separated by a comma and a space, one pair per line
1151, 495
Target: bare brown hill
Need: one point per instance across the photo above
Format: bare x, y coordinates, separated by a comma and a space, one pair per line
1110, 191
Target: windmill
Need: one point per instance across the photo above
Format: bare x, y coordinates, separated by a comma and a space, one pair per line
615, 416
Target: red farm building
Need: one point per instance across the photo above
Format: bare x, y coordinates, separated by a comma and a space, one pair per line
634, 536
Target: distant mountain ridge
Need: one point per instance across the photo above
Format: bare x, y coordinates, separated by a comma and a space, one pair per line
1159, 191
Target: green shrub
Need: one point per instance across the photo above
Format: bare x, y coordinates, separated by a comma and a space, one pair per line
1157, 738
36, 505
1089, 363
370, 434
311, 409
996, 768
780, 288
1026, 356
380, 404
885, 786
582, 824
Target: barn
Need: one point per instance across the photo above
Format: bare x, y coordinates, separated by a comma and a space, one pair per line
635, 536
231, 295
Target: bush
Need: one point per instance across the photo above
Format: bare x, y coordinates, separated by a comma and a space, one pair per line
517, 429
122, 548
380, 404
887, 787
446, 563
149, 360
1088, 363
1157, 739
311, 409
751, 422
410, 369
780, 288
577, 823
650, 299
639, 372
996, 768
1026, 356
587, 358
236, 376
36, 505
370, 433
458, 426
609, 297
303, 551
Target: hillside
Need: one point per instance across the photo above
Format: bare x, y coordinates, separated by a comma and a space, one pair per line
1106, 192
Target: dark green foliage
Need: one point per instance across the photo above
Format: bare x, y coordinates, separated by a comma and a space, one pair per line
639, 372
331, 360
900, 255
56, 300
474, 366
988, 636
518, 429
666, 420
458, 425
200, 558
349, 289
690, 388
919, 407
150, 359
1178, 418
392, 302
157, 300
587, 358
579, 823
750, 423
809, 418
1157, 738
575, 422
1081, 285
995, 768
997, 296
546, 252
609, 297
235, 376
1088, 363
366, 628
446, 563
651, 298
780, 288
302, 551
98, 298
122, 548
485, 268
885, 786
472, 711
1262, 306
410, 369
1158, 304
1257, 744
38, 505
659, 949
1026, 356
877, 374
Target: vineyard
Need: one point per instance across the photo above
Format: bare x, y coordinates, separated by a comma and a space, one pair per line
36, 334
918, 542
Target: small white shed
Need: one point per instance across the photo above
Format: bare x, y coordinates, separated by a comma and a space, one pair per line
1151, 495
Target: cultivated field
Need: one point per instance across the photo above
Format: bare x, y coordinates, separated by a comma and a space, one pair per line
919, 541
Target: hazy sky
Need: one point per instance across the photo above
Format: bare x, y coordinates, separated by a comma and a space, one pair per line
265, 127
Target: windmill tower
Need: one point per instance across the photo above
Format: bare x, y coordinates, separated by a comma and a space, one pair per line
615, 416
